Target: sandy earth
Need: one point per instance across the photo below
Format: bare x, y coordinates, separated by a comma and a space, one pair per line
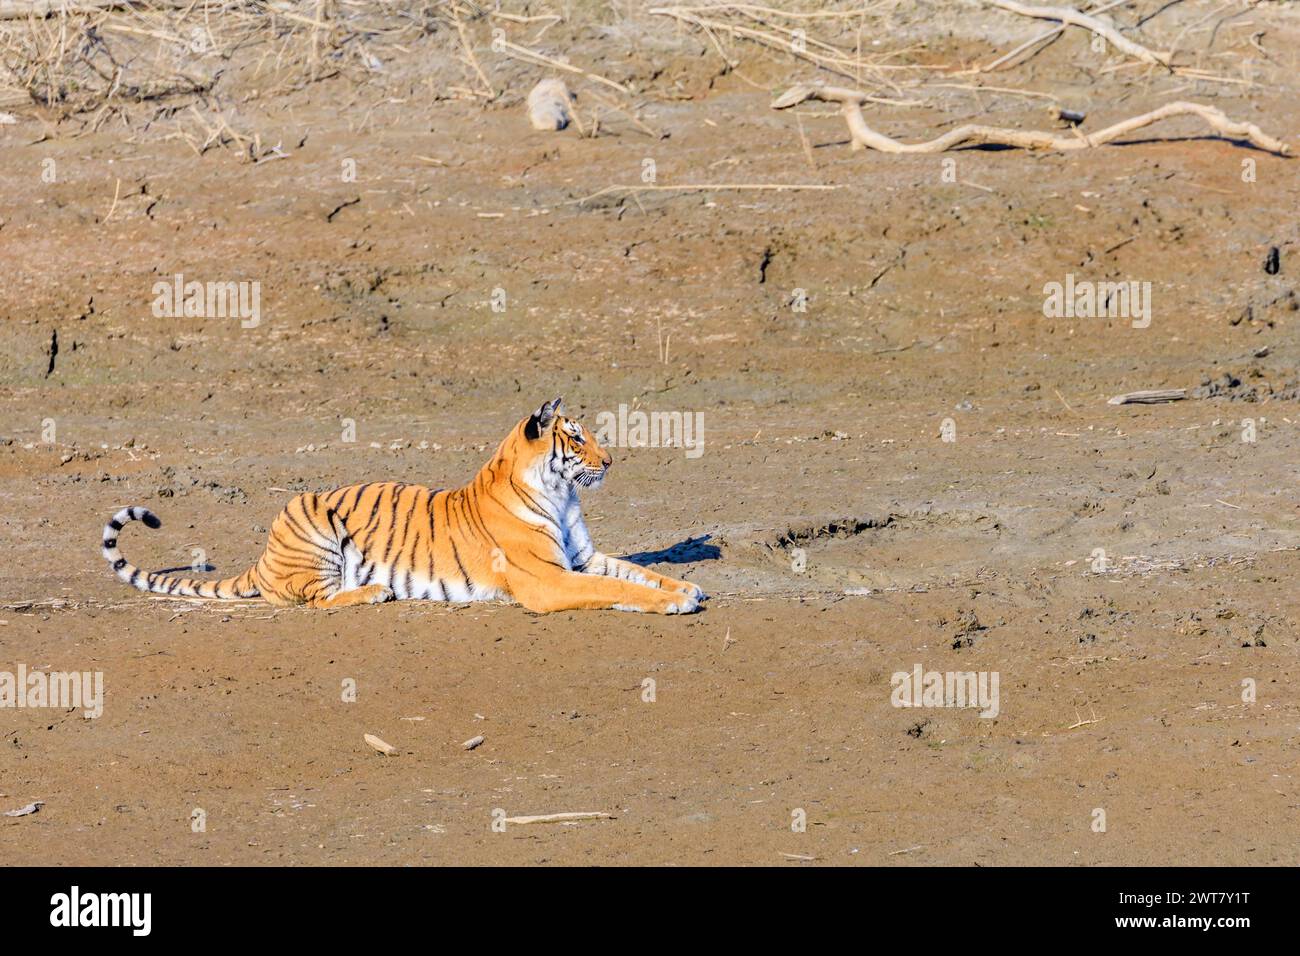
841, 537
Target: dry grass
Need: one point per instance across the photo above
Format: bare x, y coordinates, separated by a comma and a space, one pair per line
99, 57
835, 37
91, 64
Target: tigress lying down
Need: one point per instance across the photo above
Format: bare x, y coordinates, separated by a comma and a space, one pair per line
515, 531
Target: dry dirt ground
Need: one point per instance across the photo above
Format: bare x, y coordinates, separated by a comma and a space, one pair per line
841, 537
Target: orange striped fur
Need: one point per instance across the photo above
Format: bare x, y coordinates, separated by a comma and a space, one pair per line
515, 531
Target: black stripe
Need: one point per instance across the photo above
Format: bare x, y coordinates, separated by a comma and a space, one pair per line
385, 554
531, 503
310, 559
356, 499
456, 554
307, 514
374, 514
296, 528
476, 516
406, 522
544, 561
291, 549
542, 531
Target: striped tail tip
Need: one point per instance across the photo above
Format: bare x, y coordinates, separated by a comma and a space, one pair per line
241, 586
124, 570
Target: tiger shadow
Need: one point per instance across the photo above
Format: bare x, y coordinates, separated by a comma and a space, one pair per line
683, 552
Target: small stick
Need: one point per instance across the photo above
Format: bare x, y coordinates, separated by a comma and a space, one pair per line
628, 113
1083, 723
560, 817
471, 58
706, 187
518, 51
1154, 396
113, 208
993, 89
384, 748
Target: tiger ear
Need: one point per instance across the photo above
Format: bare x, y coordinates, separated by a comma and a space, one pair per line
542, 418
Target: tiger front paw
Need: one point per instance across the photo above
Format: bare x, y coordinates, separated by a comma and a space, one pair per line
683, 603
686, 587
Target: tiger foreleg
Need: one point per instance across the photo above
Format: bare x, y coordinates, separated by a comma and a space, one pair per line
603, 564
558, 590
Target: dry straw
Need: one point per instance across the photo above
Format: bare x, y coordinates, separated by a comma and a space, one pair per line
143, 60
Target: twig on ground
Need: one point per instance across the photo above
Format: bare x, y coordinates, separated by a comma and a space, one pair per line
707, 187
864, 137
1153, 396
522, 52
470, 58
117, 191
1094, 719
560, 817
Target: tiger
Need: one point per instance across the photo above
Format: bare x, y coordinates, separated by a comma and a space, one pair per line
514, 533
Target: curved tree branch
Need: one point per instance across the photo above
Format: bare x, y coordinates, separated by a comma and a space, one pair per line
864, 137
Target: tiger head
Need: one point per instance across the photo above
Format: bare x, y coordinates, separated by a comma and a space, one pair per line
572, 455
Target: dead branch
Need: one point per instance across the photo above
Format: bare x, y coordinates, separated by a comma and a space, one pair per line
1046, 35
1099, 27
864, 137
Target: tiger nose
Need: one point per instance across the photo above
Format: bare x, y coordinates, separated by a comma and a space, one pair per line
607, 459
